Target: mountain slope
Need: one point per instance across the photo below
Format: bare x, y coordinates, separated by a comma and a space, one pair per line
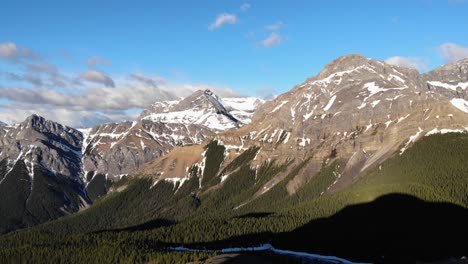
120, 148
277, 217
48, 170
357, 110
40, 173
359, 130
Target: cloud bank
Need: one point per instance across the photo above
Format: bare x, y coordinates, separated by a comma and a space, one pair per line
85, 99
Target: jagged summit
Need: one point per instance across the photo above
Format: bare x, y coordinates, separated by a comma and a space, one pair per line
44, 158
205, 108
116, 149
343, 63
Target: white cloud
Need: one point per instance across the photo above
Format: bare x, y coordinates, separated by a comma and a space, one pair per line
417, 63
66, 98
97, 104
452, 52
222, 19
273, 39
94, 61
79, 119
276, 26
98, 77
10, 51
244, 7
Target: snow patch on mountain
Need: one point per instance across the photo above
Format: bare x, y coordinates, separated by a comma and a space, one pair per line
206, 109
279, 106
453, 87
330, 103
412, 139
445, 131
460, 103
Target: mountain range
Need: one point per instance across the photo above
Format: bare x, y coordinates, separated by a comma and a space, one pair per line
82, 164
206, 171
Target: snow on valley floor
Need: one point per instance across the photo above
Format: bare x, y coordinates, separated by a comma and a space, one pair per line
268, 248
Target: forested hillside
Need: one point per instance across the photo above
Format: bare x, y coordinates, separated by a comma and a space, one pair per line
422, 193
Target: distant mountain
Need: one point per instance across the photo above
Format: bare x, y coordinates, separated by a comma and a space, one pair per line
40, 173
117, 149
79, 166
2, 124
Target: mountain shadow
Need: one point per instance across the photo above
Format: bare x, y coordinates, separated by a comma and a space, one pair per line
395, 228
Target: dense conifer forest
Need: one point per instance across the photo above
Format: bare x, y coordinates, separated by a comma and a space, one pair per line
139, 223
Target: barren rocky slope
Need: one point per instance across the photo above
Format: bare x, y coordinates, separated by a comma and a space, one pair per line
357, 111
120, 148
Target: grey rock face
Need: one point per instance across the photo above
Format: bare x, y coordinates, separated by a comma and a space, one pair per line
42, 142
121, 148
361, 110
41, 176
450, 79
357, 111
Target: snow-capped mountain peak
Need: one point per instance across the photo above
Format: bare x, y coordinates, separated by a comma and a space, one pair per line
204, 108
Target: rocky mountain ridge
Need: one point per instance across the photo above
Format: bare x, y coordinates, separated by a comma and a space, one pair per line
41, 177
120, 148
356, 111
78, 166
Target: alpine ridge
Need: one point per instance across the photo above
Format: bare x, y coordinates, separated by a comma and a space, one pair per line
356, 111
41, 177
117, 149
81, 165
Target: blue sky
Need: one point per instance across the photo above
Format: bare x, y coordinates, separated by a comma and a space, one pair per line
256, 48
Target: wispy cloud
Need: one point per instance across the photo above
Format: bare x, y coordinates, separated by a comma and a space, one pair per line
66, 55
94, 61
221, 19
97, 104
244, 7
39, 87
276, 26
417, 63
452, 52
97, 77
150, 81
10, 51
273, 39
267, 92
